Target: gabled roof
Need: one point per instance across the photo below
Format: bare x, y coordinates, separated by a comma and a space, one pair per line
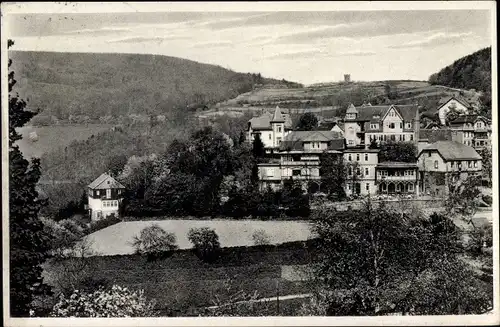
434, 135
278, 116
263, 122
468, 119
451, 150
368, 113
105, 182
294, 140
458, 98
351, 109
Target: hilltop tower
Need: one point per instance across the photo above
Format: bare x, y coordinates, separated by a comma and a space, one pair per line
347, 78
278, 126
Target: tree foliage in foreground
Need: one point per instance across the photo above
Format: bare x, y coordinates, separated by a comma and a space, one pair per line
154, 241
398, 151
307, 122
28, 242
380, 261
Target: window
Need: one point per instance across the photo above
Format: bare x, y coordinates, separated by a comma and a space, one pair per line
401, 125
410, 187
391, 125
408, 125
470, 164
406, 172
270, 136
366, 156
475, 164
349, 187
97, 193
296, 172
404, 137
400, 137
279, 129
350, 171
116, 203
350, 157
357, 157
358, 171
367, 186
351, 142
108, 193
279, 140
374, 126
429, 154
452, 164
411, 137
367, 171
393, 137
436, 164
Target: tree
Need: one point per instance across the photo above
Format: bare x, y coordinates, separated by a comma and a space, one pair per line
398, 151
376, 261
154, 241
353, 175
260, 237
463, 195
486, 155
205, 243
258, 147
307, 122
115, 164
29, 243
116, 302
333, 174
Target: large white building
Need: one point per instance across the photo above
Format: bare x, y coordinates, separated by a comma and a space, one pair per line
105, 195
455, 103
272, 128
397, 123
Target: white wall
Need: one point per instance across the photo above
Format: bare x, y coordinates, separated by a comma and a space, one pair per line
446, 108
96, 205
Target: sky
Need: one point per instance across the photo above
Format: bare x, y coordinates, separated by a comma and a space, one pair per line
302, 46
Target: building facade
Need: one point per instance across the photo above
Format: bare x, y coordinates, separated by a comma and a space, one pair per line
105, 195
361, 165
368, 123
472, 130
272, 128
455, 103
397, 178
443, 161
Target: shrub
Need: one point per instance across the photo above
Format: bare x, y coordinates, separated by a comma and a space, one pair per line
205, 243
260, 237
488, 199
480, 236
116, 302
154, 241
103, 223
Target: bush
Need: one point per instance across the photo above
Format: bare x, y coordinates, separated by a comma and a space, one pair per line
205, 243
479, 237
260, 237
103, 223
116, 302
155, 242
488, 199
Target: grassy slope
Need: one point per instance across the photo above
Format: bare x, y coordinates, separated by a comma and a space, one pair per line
120, 84
182, 282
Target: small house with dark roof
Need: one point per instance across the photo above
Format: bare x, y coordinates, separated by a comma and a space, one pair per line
105, 195
456, 103
272, 128
444, 159
365, 124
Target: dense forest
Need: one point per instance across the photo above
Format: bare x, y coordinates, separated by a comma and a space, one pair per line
469, 72
95, 85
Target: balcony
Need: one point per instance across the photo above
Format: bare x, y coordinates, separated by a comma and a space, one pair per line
397, 178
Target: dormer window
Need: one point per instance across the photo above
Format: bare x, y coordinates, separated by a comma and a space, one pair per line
408, 125
376, 116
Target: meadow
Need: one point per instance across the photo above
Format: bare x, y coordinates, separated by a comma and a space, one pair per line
182, 285
115, 239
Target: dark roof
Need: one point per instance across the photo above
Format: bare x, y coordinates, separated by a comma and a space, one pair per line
467, 119
278, 116
367, 113
434, 135
459, 98
328, 125
397, 164
451, 150
294, 140
105, 182
263, 122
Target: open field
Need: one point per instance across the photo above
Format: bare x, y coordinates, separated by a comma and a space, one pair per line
181, 284
116, 239
52, 137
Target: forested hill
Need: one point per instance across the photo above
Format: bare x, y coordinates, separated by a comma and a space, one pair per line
469, 72
98, 84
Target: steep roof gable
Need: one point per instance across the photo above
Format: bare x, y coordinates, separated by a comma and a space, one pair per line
105, 182
278, 116
459, 99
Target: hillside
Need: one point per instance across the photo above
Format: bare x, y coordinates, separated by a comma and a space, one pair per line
469, 72
97, 85
331, 99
